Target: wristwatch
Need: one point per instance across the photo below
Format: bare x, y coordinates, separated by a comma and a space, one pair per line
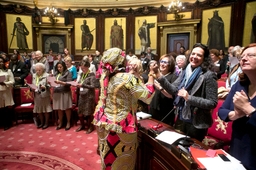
161, 89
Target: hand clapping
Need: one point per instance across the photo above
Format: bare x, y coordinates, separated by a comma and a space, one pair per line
240, 101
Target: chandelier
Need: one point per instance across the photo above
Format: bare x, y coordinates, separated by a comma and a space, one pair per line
175, 7
52, 13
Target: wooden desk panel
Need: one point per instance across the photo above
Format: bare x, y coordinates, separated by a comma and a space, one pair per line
152, 154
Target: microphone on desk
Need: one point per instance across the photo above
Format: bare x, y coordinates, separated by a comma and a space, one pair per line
159, 125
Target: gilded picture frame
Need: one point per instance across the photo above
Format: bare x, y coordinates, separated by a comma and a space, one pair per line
91, 22
153, 33
19, 41
207, 15
112, 32
250, 14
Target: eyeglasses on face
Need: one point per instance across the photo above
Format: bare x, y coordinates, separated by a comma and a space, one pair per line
249, 55
164, 62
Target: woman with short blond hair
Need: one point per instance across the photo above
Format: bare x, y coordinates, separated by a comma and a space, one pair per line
71, 68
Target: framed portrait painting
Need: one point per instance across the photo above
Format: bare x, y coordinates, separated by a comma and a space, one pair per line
216, 27
85, 35
115, 31
145, 33
249, 24
19, 32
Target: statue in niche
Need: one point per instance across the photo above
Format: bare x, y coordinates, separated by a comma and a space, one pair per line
116, 36
87, 37
144, 34
21, 33
216, 38
253, 34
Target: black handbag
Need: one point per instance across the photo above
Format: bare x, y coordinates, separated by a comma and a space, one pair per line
202, 119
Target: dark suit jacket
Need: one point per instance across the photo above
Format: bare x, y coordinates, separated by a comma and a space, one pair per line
144, 63
20, 71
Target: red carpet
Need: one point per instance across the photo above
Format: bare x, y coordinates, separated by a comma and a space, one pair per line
26, 147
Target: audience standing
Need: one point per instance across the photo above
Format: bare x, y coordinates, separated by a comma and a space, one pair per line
62, 99
144, 60
92, 67
219, 65
6, 98
162, 102
239, 107
71, 68
86, 103
67, 54
50, 59
42, 99
196, 93
181, 62
19, 70
236, 70
182, 50
150, 55
97, 59
39, 58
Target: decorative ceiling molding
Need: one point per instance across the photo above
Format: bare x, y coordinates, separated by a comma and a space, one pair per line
95, 4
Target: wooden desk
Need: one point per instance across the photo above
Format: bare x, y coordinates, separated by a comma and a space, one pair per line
154, 155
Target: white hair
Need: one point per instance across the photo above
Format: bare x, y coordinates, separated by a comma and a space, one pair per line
40, 65
182, 57
85, 57
38, 52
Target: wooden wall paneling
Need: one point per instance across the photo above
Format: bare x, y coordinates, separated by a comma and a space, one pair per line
100, 25
198, 14
130, 31
3, 36
237, 23
161, 17
71, 21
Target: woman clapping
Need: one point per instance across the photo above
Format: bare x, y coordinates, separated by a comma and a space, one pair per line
6, 93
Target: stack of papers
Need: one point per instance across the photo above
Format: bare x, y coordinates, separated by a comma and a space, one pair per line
143, 115
214, 162
169, 137
26, 104
217, 163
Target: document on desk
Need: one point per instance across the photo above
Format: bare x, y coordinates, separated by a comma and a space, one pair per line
213, 163
143, 115
169, 137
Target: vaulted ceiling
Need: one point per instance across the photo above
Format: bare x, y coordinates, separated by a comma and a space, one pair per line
93, 4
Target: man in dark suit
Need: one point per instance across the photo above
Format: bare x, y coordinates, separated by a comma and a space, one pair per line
150, 55
19, 70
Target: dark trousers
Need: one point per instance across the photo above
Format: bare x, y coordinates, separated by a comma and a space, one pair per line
6, 116
189, 130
